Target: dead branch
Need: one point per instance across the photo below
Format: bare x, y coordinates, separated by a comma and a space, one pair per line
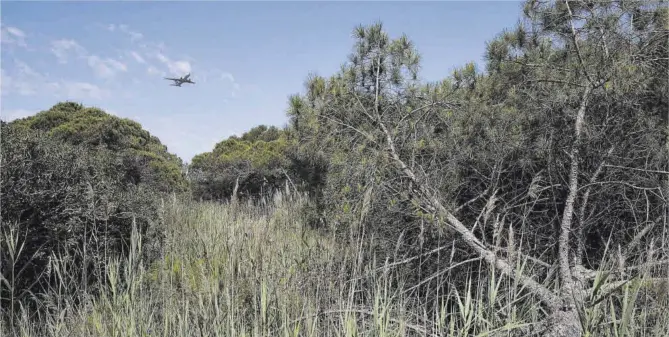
584, 204
502, 265
441, 272
637, 169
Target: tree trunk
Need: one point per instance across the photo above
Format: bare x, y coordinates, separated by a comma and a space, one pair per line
563, 323
233, 199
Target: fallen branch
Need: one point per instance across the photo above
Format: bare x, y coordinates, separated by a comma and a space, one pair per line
637, 169
544, 294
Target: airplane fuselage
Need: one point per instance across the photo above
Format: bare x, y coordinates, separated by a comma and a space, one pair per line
179, 81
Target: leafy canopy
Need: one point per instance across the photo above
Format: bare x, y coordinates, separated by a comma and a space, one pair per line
146, 159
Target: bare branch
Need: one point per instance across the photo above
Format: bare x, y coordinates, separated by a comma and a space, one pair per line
584, 204
479, 196
637, 169
501, 264
637, 238
642, 188
441, 272
422, 194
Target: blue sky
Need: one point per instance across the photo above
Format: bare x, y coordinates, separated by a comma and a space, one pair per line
246, 57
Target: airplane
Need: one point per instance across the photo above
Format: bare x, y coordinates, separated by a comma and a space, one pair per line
179, 81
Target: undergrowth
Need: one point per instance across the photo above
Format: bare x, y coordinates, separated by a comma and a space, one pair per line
259, 270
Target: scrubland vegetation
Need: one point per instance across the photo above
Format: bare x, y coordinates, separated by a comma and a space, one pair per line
527, 198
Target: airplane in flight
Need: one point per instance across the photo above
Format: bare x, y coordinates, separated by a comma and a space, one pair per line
179, 81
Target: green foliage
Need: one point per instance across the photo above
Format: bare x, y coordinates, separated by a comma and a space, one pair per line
513, 151
249, 271
262, 132
256, 162
58, 198
507, 128
258, 153
147, 160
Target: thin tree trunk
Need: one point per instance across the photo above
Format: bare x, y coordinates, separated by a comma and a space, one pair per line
567, 282
234, 191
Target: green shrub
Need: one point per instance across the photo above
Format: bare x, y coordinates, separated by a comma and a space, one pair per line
146, 158
257, 162
65, 201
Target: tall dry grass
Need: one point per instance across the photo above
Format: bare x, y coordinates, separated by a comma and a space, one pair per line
258, 270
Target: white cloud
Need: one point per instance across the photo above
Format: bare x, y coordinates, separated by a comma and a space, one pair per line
228, 76
230, 83
158, 63
118, 65
177, 68
181, 66
151, 70
149, 50
134, 36
148, 53
63, 47
16, 32
235, 85
82, 90
137, 57
25, 69
13, 35
26, 81
106, 68
162, 58
10, 115
235, 89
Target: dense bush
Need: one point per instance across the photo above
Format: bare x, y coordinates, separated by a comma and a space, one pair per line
146, 159
257, 163
551, 152
65, 200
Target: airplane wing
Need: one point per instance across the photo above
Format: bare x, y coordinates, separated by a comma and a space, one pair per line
172, 79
